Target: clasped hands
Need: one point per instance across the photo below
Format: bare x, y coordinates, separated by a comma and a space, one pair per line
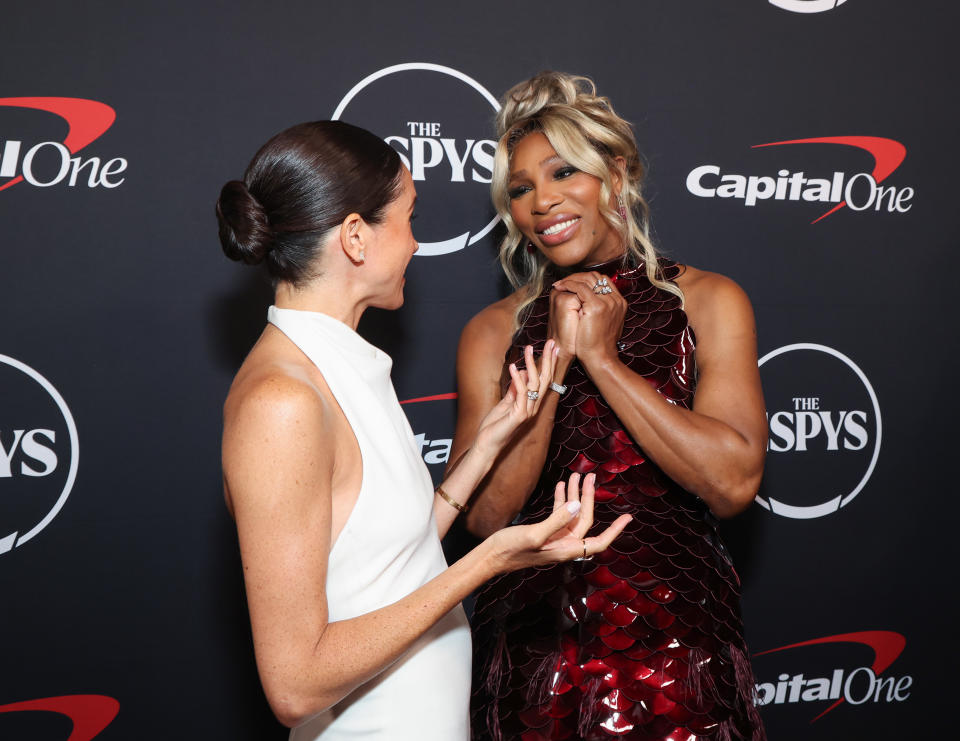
582, 324
586, 324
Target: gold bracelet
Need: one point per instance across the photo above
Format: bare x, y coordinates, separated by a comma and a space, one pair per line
450, 500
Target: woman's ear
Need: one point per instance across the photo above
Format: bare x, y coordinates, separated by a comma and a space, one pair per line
352, 238
617, 173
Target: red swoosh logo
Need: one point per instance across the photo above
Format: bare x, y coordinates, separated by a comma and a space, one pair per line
886, 645
90, 713
887, 155
437, 397
87, 120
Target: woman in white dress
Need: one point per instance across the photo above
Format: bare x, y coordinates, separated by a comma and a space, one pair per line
357, 625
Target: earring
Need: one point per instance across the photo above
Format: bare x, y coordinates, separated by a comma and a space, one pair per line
530, 247
621, 208
360, 257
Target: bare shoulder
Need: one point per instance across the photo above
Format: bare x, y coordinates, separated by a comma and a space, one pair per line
492, 327
279, 430
275, 395
273, 387
278, 400
714, 302
483, 345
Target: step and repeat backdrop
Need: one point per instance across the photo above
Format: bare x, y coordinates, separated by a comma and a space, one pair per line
805, 148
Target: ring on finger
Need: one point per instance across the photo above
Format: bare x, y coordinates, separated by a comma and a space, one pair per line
533, 395
584, 557
601, 286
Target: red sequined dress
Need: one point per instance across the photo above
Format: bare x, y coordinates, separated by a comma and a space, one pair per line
645, 641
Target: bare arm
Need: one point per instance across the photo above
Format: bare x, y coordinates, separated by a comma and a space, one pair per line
716, 450
496, 428
279, 471
483, 344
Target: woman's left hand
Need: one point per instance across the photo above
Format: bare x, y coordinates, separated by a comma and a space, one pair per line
560, 537
521, 402
601, 315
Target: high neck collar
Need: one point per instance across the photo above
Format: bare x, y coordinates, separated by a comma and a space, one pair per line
318, 328
622, 265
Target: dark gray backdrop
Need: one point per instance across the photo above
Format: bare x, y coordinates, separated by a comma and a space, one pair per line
121, 299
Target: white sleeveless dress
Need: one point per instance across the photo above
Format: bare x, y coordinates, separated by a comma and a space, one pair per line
387, 549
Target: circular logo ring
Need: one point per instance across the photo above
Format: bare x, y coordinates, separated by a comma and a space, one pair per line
807, 6
7, 541
831, 506
439, 248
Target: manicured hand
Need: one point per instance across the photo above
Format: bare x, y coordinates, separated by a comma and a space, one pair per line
522, 400
560, 537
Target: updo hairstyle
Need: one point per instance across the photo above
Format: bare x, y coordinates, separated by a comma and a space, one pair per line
585, 131
301, 184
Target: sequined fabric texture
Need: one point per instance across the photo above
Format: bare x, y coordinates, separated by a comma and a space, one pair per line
645, 641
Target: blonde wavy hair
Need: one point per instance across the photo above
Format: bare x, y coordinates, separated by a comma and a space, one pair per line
585, 131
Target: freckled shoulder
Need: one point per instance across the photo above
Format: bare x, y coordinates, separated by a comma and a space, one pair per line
279, 417
276, 378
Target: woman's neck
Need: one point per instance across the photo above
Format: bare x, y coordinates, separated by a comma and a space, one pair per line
322, 297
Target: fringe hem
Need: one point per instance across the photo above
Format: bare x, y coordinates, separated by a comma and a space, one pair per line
747, 690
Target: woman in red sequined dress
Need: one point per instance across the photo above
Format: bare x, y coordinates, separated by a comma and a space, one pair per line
657, 393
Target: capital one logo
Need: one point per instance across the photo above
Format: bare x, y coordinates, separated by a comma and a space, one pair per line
50, 162
39, 453
424, 413
440, 121
824, 431
860, 191
825, 681
807, 6
88, 714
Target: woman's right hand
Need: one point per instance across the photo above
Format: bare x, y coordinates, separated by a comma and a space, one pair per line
560, 537
564, 321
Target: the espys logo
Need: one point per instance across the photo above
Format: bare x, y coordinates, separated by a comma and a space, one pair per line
51, 162
435, 452
861, 191
821, 680
39, 453
824, 430
440, 121
88, 714
807, 6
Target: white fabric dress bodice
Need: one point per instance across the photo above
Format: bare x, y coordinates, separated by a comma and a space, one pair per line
387, 549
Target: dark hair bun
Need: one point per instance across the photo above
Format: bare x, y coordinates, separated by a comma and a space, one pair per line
245, 233
302, 184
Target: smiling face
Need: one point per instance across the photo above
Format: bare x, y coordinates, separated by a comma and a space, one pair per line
392, 246
557, 207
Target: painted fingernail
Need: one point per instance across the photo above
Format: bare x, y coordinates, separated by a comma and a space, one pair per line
573, 507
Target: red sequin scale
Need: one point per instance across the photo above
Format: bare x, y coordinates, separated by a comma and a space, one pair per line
644, 641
